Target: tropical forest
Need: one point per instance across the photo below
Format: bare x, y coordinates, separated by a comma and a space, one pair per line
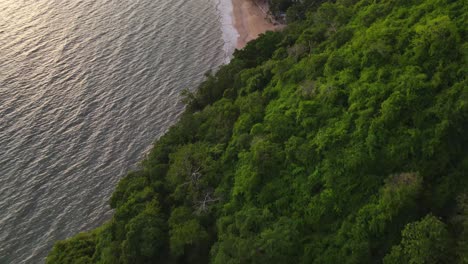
342, 138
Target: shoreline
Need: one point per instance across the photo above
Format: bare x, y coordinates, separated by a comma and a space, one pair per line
229, 32
241, 22
250, 19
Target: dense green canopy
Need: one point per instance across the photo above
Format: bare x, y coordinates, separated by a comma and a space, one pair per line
342, 139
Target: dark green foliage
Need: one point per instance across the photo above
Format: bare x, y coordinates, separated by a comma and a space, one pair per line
460, 221
145, 236
188, 238
341, 139
258, 51
277, 6
76, 250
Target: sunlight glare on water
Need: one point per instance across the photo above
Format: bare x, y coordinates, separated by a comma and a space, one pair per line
85, 88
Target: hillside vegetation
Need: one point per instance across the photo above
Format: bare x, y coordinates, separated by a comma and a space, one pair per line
342, 139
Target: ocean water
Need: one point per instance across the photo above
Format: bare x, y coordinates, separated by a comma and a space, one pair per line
86, 86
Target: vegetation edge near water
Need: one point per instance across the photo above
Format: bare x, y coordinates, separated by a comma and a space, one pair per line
341, 139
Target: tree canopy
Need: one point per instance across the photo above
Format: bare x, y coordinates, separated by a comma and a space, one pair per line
341, 139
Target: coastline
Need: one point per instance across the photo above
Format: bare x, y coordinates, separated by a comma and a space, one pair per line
241, 22
229, 32
250, 20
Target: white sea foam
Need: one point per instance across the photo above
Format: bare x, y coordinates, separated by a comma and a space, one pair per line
230, 34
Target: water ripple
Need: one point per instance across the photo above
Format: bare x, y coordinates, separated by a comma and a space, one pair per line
85, 88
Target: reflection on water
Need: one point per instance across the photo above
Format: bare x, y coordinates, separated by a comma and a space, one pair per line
85, 87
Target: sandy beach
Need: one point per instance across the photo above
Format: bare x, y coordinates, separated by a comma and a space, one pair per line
250, 20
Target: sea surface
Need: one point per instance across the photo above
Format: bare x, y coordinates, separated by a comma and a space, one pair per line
86, 86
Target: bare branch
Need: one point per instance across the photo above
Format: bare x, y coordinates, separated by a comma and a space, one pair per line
204, 204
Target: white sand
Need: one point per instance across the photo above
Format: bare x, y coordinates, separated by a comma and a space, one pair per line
241, 22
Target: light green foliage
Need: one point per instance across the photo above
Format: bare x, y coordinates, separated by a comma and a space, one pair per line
341, 139
426, 241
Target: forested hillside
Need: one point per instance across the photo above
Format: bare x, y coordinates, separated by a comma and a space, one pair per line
342, 139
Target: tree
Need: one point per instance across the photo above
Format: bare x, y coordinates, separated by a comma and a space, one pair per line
424, 242
77, 250
145, 236
185, 231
